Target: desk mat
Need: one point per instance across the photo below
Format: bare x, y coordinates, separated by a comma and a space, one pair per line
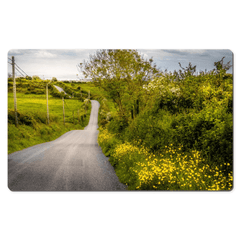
120, 120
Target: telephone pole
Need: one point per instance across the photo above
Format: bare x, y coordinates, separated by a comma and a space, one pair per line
14, 92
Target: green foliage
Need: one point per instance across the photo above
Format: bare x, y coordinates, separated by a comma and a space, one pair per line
121, 73
35, 77
193, 113
28, 78
186, 72
222, 68
72, 89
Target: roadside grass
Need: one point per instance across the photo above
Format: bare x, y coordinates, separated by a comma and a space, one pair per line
25, 136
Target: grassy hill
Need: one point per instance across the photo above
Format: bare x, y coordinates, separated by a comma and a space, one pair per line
32, 113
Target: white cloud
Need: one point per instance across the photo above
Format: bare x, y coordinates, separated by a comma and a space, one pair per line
192, 51
44, 54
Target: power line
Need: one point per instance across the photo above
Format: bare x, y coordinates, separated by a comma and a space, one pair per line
19, 72
18, 68
21, 69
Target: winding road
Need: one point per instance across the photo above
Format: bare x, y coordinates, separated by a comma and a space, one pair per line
73, 162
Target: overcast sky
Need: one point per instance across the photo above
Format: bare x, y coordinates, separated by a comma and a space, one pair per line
61, 63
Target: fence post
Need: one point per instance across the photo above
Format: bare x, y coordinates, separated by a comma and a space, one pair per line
47, 104
14, 92
63, 112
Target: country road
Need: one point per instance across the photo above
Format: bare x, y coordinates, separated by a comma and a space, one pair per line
73, 162
59, 89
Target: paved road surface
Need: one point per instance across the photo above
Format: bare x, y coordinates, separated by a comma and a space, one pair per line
73, 162
59, 89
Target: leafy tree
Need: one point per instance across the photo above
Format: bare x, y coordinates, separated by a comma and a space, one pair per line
28, 78
121, 73
186, 72
222, 68
54, 79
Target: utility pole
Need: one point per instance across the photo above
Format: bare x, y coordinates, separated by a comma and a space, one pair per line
47, 104
14, 92
63, 112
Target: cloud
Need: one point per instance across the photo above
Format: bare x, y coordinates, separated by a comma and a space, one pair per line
62, 62
44, 54
155, 53
185, 52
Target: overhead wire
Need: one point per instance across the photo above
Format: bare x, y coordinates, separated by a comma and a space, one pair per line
18, 68
20, 71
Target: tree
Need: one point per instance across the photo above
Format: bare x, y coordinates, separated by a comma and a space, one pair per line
186, 72
28, 78
222, 68
121, 73
54, 79
35, 77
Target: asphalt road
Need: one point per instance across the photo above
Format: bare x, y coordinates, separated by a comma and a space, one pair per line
73, 162
59, 89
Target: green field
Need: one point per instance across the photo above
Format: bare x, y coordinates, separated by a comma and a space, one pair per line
37, 104
32, 115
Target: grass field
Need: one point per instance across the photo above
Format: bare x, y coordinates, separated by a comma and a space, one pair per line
37, 104
32, 117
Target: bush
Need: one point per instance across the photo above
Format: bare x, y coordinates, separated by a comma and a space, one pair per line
108, 142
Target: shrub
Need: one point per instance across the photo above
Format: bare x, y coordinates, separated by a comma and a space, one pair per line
172, 169
107, 141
